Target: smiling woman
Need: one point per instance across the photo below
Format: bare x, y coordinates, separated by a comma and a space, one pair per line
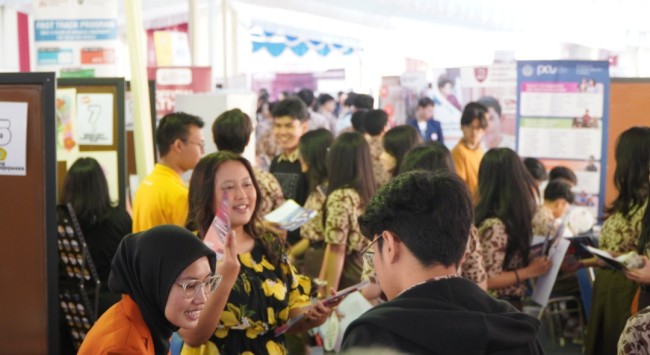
264, 288
163, 290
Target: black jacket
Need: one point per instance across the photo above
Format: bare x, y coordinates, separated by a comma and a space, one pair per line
450, 316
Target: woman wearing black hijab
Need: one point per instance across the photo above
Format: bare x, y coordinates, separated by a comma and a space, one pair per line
165, 275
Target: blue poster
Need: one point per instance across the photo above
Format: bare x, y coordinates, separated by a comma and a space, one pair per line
562, 119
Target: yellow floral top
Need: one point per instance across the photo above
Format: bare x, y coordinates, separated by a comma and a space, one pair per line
259, 302
620, 234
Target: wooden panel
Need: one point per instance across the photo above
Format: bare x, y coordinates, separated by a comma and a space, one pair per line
629, 106
27, 277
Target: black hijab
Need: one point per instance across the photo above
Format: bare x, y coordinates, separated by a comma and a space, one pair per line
146, 267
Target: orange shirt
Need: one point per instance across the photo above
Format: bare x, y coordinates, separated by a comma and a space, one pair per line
120, 330
467, 162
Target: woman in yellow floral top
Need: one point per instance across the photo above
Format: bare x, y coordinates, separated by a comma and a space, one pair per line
351, 184
313, 162
503, 215
613, 292
266, 291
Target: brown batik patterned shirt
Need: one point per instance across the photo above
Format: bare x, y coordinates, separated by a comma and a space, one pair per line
272, 196
635, 339
621, 234
472, 267
313, 230
341, 225
543, 221
376, 148
494, 240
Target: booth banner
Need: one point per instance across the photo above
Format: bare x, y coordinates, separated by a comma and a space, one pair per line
178, 80
13, 138
494, 86
72, 35
562, 116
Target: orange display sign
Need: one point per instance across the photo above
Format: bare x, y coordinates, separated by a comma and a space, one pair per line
97, 56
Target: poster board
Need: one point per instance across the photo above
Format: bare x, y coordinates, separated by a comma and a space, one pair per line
28, 256
93, 108
628, 107
563, 118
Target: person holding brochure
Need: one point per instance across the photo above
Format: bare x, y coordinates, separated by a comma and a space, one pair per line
613, 292
418, 225
351, 184
504, 212
637, 327
265, 290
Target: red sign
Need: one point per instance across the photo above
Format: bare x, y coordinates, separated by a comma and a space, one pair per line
178, 80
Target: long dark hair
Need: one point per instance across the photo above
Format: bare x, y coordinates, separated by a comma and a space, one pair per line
631, 174
399, 140
313, 150
202, 201
86, 189
505, 190
349, 166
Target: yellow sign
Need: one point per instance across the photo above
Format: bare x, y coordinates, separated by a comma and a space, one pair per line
3, 154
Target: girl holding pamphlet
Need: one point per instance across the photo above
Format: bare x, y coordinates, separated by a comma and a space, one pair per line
613, 292
506, 204
265, 289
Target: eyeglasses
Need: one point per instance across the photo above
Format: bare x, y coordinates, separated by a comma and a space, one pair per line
201, 144
191, 288
369, 254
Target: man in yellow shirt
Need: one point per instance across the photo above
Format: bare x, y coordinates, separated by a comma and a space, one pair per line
467, 154
161, 197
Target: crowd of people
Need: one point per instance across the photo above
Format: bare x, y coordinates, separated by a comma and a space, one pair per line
443, 236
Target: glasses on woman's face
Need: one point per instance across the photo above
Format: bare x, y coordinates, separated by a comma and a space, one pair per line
369, 254
191, 288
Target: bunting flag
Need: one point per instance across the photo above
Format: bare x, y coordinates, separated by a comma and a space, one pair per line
276, 44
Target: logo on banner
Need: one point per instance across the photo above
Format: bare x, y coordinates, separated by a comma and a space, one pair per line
481, 73
546, 70
527, 70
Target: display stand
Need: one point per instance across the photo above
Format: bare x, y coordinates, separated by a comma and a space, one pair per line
28, 256
78, 274
96, 99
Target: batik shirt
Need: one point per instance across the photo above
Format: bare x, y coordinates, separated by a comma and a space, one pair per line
314, 230
272, 196
635, 339
376, 148
341, 225
543, 221
472, 267
621, 234
494, 241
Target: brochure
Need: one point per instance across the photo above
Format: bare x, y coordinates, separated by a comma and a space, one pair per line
215, 237
290, 216
606, 257
328, 302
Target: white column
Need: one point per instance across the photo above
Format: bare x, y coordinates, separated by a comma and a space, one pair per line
143, 137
